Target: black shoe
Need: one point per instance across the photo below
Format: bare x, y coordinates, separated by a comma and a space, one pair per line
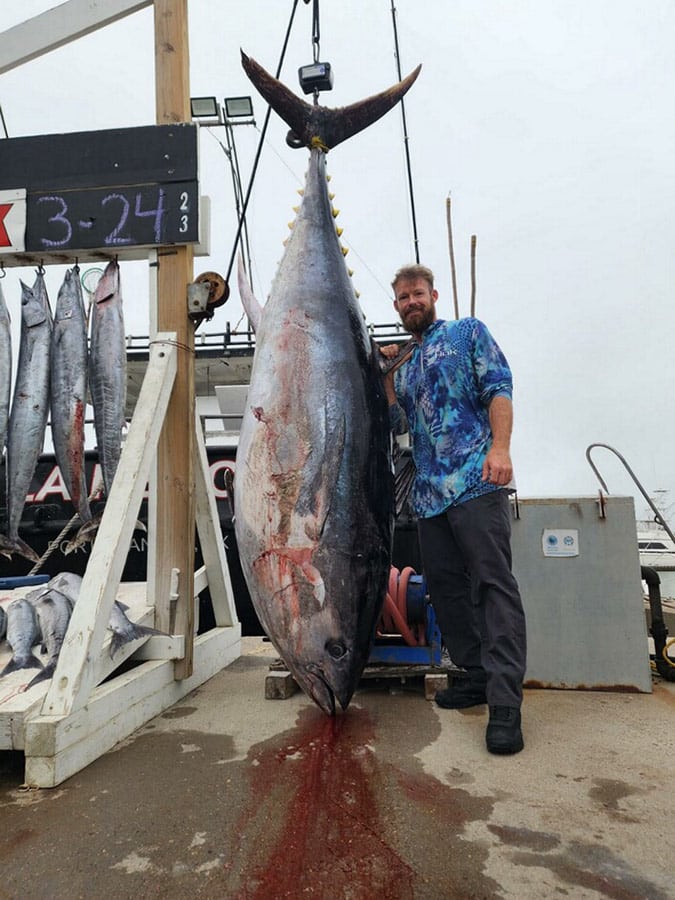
461, 696
503, 733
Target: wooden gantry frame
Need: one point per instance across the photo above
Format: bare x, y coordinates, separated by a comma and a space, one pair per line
79, 718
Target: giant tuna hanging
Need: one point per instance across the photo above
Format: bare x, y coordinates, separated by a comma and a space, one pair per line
314, 485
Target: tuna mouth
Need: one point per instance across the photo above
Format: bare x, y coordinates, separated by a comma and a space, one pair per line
320, 691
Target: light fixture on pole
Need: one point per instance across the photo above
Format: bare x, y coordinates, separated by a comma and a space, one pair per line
206, 108
238, 108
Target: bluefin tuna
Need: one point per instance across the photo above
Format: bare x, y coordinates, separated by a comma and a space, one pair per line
69, 360
107, 371
314, 483
22, 634
5, 369
30, 409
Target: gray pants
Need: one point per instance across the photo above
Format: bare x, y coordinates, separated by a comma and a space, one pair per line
466, 552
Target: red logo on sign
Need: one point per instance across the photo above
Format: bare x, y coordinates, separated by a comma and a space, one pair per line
4, 237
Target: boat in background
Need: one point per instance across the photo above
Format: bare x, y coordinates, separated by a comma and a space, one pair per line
657, 551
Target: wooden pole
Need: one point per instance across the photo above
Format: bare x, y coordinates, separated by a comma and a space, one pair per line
175, 477
453, 271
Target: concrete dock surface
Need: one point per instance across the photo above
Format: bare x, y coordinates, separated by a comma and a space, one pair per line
230, 795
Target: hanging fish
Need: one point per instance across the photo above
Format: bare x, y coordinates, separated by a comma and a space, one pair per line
108, 371
314, 501
5, 369
69, 359
30, 409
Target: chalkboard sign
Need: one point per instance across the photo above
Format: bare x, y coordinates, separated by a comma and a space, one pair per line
112, 191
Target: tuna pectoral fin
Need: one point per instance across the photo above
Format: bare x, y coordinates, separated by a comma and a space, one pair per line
248, 298
318, 492
314, 125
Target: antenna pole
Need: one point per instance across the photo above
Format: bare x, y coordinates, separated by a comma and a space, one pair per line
473, 274
453, 270
406, 139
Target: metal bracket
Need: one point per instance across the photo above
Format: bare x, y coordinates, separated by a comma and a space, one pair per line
198, 301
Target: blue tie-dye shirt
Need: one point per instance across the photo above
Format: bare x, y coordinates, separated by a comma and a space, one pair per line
445, 390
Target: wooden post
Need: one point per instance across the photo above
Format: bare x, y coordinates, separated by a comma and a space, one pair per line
175, 480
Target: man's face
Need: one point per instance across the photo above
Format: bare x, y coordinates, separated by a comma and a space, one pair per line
416, 304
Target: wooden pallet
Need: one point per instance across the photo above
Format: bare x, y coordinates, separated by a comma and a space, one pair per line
280, 684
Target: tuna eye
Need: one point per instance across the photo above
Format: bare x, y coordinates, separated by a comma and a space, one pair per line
336, 649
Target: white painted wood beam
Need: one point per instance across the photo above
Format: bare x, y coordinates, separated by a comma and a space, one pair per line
58, 26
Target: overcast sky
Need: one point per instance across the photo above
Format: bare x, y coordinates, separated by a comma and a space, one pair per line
550, 123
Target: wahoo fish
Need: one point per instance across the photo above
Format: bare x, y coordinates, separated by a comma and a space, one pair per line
69, 359
314, 503
108, 371
30, 409
53, 612
5, 369
22, 634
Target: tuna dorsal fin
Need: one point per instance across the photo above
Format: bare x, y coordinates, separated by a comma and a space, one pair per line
248, 298
321, 125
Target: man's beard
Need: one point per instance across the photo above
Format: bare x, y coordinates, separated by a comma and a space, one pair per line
418, 320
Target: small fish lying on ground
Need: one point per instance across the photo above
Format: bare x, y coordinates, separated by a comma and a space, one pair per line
22, 635
3, 622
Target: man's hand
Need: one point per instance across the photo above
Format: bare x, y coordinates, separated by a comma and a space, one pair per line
497, 468
394, 357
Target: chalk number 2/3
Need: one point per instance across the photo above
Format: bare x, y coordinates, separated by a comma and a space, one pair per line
64, 220
184, 209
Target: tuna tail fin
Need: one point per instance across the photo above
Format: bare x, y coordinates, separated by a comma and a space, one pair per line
9, 546
43, 674
85, 534
14, 665
137, 631
320, 125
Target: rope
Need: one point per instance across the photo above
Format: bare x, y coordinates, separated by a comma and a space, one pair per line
256, 160
64, 531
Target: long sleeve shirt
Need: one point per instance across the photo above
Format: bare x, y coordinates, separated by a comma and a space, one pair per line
445, 389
